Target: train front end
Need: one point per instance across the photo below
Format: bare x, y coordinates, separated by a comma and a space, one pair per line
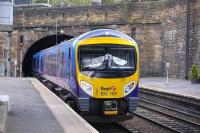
107, 74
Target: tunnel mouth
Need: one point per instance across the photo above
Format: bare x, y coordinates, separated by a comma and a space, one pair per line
43, 43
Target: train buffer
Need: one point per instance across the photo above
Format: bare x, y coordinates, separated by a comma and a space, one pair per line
175, 86
35, 109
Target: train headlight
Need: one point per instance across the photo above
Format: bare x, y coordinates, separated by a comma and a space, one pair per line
128, 88
88, 88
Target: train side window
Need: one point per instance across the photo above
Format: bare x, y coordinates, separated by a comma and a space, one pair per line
62, 65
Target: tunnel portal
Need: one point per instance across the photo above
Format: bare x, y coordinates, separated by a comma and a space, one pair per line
37, 46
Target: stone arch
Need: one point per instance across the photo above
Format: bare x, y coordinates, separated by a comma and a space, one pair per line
37, 46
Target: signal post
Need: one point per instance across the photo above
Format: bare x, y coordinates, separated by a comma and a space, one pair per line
6, 25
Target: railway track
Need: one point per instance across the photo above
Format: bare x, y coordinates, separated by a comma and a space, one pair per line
112, 128
176, 113
171, 123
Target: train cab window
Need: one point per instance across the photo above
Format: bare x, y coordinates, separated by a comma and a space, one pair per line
122, 58
111, 61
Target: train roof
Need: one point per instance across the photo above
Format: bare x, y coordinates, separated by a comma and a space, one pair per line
104, 33
96, 33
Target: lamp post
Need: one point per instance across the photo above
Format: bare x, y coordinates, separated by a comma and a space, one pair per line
15, 64
6, 25
167, 70
56, 31
61, 3
8, 54
21, 53
4, 51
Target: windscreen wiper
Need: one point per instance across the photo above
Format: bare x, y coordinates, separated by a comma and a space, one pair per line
94, 72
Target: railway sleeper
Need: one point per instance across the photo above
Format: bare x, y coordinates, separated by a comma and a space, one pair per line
176, 105
58, 90
183, 103
151, 94
170, 123
172, 111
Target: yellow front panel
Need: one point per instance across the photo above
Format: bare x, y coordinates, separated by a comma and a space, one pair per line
107, 87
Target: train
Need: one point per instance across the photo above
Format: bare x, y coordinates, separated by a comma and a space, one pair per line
98, 72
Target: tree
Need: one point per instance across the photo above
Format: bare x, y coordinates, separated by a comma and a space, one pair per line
40, 1
107, 2
70, 2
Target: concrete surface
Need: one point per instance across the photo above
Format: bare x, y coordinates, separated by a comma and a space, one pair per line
175, 86
29, 113
68, 118
4, 108
4, 100
3, 117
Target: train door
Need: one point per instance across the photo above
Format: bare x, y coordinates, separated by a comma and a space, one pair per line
39, 63
58, 63
69, 64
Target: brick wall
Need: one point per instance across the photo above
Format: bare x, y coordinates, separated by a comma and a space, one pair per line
173, 38
160, 29
195, 33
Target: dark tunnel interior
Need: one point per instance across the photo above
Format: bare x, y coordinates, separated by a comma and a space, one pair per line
37, 46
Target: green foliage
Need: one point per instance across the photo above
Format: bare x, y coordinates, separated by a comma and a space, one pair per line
78, 2
67, 2
107, 2
133, 19
195, 72
40, 1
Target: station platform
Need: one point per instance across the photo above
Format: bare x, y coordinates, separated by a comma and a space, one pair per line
174, 86
35, 109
